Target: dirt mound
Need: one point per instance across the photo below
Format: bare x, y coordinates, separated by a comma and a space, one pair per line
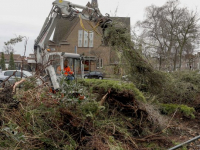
6, 95
125, 103
6, 98
141, 123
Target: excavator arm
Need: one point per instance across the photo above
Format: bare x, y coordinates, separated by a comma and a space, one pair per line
65, 10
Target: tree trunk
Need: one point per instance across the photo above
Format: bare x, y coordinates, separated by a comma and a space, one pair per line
175, 60
160, 63
180, 62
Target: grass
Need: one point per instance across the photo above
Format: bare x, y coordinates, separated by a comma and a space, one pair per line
116, 86
182, 109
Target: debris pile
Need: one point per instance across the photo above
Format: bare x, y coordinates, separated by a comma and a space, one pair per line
45, 121
114, 115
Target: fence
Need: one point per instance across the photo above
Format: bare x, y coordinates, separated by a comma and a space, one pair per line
193, 144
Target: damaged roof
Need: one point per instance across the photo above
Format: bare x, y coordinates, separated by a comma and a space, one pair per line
65, 27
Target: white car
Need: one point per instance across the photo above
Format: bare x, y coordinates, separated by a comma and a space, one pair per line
4, 75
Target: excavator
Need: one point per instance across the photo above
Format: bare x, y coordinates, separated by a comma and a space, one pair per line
45, 56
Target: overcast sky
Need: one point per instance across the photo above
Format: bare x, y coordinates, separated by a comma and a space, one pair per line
26, 17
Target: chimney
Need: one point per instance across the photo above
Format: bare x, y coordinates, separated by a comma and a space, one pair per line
95, 3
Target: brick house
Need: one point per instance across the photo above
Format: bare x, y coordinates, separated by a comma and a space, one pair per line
70, 37
31, 62
189, 62
17, 60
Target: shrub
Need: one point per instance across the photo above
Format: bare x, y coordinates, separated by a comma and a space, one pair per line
181, 87
192, 77
178, 92
116, 86
182, 109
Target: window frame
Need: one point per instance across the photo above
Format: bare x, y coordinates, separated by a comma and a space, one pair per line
85, 39
99, 63
91, 39
80, 38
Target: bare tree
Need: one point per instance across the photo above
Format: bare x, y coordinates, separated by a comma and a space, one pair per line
7, 49
23, 58
169, 29
188, 33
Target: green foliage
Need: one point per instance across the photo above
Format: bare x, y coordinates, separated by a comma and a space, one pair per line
182, 109
116, 86
104, 122
38, 119
192, 77
89, 107
13, 41
179, 92
71, 90
151, 81
142, 73
30, 83
2, 62
182, 87
118, 35
187, 111
152, 145
42, 125
11, 62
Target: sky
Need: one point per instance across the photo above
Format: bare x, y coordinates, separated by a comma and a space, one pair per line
26, 17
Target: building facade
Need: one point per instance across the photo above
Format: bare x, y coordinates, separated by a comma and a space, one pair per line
71, 37
18, 59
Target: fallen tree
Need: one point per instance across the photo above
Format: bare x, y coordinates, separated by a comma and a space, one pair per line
45, 121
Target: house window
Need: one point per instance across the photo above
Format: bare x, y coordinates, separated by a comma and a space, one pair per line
99, 63
80, 38
85, 39
91, 34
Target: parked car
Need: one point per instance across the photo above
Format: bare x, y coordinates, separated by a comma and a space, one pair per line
4, 75
94, 75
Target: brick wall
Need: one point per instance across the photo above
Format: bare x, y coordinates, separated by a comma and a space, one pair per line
98, 50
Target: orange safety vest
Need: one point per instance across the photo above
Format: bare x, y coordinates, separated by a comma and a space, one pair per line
68, 71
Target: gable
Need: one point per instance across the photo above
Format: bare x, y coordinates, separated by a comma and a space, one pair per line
63, 29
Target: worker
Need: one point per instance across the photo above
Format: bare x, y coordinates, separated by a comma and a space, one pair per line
67, 71
58, 70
